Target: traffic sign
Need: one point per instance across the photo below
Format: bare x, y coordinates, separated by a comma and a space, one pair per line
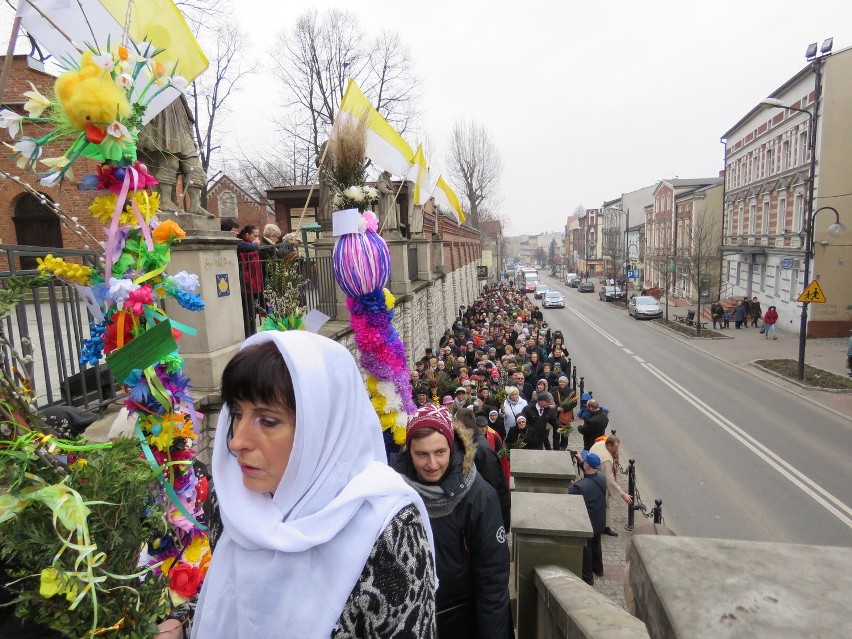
633, 274
813, 294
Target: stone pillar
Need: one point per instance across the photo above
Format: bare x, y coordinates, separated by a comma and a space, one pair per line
536, 471
424, 259
548, 530
211, 254
400, 283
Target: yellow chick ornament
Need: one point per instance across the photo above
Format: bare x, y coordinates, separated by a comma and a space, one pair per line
91, 99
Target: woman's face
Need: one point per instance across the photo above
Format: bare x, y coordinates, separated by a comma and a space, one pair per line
522, 422
514, 396
262, 441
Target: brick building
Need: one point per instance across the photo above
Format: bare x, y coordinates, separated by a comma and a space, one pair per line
23, 218
228, 200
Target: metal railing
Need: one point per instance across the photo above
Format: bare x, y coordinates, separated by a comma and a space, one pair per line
318, 289
48, 328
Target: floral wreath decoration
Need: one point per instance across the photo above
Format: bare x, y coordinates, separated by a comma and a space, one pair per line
97, 113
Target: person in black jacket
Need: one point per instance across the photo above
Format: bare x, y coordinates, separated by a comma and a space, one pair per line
593, 426
539, 415
471, 553
593, 489
487, 463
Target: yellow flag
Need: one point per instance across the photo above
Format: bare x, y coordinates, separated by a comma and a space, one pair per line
385, 146
419, 174
445, 196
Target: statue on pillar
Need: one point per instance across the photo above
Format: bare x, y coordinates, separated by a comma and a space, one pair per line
167, 146
389, 218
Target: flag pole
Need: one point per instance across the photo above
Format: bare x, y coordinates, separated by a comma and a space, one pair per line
10, 53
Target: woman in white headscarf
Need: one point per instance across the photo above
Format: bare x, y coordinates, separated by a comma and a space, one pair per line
320, 537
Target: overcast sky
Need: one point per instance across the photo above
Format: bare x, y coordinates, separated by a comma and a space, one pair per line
585, 100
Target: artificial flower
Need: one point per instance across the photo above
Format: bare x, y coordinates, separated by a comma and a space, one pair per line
178, 82
29, 150
168, 231
103, 207
124, 80
139, 299
53, 582
112, 338
36, 104
120, 290
371, 192
186, 281
197, 548
123, 53
372, 222
59, 164
120, 132
11, 121
66, 270
104, 61
354, 193
185, 580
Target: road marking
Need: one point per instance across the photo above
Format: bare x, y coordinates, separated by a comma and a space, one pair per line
825, 499
628, 351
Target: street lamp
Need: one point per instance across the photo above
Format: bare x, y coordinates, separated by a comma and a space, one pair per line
835, 229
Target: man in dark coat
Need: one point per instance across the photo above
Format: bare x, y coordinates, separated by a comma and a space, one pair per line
755, 311
471, 554
593, 489
540, 415
595, 425
487, 463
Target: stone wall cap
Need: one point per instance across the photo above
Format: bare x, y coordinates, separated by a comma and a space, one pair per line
544, 464
715, 588
550, 514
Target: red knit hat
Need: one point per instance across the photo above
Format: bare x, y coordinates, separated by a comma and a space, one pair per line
430, 416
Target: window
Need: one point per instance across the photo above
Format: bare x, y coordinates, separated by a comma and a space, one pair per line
803, 147
754, 167
781, 222
794, 284
798, 212
785, 155
730, 221
764, 220
777, 281
741, 220
769, 166
752, 218
762, 277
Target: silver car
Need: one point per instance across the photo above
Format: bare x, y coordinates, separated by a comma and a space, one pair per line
644, 306
553, 299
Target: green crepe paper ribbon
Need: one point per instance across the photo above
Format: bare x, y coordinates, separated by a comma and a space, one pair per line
158, 390
154, 315
111, 150
170, 491
290, 323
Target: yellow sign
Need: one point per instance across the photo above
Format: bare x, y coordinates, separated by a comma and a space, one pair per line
813, 294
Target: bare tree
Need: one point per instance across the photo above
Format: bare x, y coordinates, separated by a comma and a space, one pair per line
209, 94
316, 59
698, 258
477, 167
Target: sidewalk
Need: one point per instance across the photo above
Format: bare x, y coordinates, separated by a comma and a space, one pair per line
614, 560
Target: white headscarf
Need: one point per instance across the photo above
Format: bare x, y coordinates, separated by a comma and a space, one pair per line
285, 566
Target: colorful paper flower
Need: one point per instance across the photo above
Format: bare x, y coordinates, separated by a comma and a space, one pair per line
11, 121
185, 580
53, 582
138, 299
29, 151
36, 103
186, 281
168, 231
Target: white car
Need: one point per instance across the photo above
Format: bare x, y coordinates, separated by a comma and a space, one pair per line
540, 290
644, 306
553, 299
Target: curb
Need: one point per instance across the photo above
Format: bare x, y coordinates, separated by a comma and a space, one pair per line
836, 391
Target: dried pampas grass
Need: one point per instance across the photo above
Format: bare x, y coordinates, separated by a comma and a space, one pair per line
347, 148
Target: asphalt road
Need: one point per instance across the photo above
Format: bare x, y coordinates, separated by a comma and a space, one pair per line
731, 455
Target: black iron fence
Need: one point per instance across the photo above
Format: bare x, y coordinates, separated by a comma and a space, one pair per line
48, 328
316, 291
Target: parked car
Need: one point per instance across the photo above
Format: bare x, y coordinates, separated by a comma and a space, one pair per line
553, 299
609, 293
540, 290
586, 287
569, 277
575, 282
644, 306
